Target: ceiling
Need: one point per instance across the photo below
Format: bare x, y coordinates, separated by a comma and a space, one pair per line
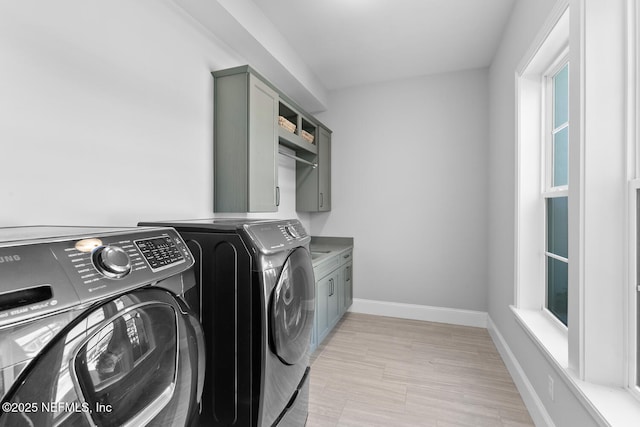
353, 42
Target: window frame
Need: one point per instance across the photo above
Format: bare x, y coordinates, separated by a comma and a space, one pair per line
632, 82
549, 191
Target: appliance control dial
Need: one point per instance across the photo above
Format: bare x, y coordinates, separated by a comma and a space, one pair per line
112, 261
292, 231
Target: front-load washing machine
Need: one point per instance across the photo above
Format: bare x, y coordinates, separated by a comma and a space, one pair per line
258, 298
96, 328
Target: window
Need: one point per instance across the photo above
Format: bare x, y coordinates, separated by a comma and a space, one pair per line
542, 261
555, 194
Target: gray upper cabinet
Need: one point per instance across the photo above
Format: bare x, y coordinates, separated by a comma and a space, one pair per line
245, 143
324, 170
313, 185
252, 119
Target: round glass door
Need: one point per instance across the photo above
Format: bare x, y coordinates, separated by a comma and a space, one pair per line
131, 361
292, 307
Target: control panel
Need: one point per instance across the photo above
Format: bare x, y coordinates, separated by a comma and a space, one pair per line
275, 236
45, 275
101, 265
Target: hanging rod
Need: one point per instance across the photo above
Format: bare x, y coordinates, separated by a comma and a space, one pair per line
298, 159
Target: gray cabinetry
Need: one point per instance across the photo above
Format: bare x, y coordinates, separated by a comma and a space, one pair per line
334, 290
313, 185
324, 170
252, 119
245, 143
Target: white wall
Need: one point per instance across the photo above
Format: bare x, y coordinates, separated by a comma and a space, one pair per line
106, 114
409, 177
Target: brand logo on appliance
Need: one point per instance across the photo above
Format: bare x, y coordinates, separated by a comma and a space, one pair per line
9, 258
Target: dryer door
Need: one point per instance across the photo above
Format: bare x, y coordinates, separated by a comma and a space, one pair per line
131, 361
292, 307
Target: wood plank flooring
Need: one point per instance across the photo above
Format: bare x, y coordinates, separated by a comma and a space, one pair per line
381, 371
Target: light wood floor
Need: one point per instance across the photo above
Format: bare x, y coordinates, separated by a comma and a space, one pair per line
381, 371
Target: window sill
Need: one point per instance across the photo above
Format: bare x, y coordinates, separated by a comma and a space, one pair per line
608, 405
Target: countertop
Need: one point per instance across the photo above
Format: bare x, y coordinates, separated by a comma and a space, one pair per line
323, 248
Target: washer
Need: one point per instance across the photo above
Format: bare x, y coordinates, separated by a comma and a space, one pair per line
96, 328
258, 297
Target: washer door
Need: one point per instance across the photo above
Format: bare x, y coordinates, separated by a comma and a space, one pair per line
131, 361
292, 307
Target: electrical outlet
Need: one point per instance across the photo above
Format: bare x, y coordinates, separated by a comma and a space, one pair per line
550, 387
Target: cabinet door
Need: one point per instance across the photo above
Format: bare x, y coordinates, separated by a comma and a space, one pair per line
323, 289
324, 170
245, 144
263, 147
327, 305
334, 299
313, 185
347, 280
340, 292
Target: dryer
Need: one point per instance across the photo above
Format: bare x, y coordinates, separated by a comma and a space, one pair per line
97, 328
258, 299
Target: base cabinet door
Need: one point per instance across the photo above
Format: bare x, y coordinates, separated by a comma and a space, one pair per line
347, 286
322, 308
327, 310
334, 299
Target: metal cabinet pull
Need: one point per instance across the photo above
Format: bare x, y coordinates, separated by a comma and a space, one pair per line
277, 196
321, 199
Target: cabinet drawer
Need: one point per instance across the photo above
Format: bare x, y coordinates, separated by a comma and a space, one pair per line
327, 266
346, 256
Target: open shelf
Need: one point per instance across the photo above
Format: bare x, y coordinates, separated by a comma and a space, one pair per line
293, 137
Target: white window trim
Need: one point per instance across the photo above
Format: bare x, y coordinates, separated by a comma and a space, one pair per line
633, 165
632, 366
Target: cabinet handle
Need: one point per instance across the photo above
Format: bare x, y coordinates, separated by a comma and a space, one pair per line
321, 199
348, 274
330, 287
346, 256
277, 196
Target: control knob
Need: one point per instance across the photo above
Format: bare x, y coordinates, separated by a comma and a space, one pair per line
292, 232
112, 261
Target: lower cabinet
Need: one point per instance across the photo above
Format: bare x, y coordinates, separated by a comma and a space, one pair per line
334, 294
328, 304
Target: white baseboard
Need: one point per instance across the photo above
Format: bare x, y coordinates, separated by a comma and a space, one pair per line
420, 312
531, 400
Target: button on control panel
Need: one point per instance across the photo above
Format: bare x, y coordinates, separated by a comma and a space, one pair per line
160, 252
